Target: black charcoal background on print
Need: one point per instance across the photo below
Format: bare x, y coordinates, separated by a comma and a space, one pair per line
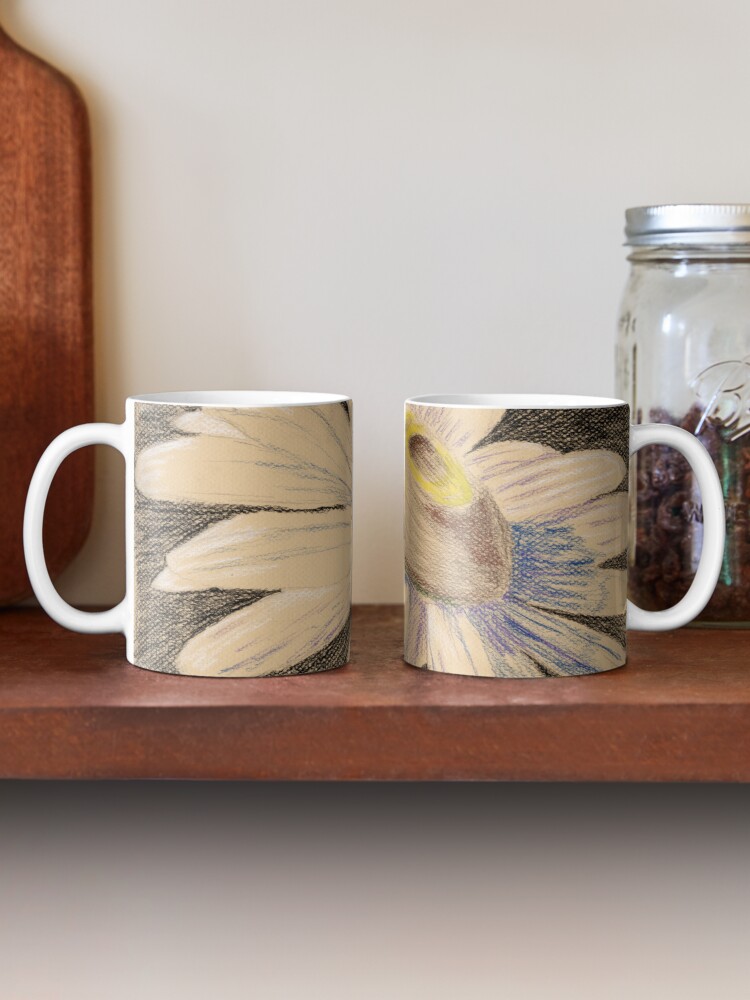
576, 429
164, 622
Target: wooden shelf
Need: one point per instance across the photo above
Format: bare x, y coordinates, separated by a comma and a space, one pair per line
72, 707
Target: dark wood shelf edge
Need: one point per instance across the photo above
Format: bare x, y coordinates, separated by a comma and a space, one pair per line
668, 744
72, 708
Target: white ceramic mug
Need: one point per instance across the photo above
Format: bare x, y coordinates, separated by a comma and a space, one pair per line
238, 532
516, 532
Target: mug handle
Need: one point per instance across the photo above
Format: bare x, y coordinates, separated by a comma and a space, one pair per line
714, 530
113, 620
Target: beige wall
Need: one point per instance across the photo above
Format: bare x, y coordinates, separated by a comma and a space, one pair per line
379, 198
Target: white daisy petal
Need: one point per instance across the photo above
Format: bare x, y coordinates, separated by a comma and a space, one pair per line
602, 524
319, 435
268, 550
497, 463
453, 645
206, 421
214, 470
270, 636
561, 647
315, 435
339, 422
460, 428
515, 663
550, 483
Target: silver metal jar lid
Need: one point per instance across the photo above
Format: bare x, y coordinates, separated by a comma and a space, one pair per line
687, 225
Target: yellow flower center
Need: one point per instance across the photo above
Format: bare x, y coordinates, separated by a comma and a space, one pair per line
435, 470
458, 544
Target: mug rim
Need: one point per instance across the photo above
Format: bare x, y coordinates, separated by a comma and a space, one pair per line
246, 399
514, 401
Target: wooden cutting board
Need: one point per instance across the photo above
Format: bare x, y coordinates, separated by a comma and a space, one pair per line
46, 363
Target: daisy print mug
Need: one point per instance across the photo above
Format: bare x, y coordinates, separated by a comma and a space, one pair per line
238, 532
517, 513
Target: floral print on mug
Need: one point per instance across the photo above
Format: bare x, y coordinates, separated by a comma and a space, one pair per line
515, 560
243, 517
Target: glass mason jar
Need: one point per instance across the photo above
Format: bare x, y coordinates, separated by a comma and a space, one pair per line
683, 357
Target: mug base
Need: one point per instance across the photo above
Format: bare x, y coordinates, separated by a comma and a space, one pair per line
299, 670
544, 673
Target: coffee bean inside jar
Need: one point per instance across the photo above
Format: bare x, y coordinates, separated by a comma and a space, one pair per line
669, 524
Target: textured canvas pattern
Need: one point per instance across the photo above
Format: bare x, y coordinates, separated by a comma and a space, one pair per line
516, 529
242, 539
